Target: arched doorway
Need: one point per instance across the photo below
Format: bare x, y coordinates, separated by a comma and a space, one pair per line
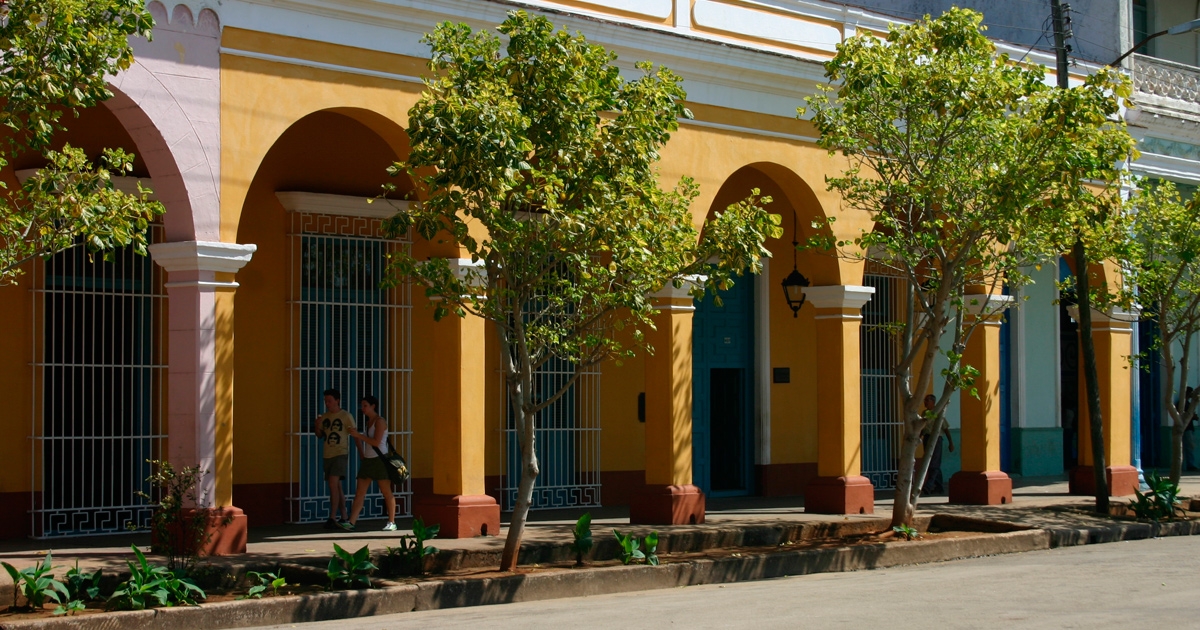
99, 367
313, 313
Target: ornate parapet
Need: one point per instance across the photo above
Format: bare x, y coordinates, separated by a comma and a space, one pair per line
1166, 79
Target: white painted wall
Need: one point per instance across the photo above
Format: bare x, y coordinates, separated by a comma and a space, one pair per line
1039, 352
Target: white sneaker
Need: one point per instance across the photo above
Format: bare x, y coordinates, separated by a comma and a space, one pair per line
390, 527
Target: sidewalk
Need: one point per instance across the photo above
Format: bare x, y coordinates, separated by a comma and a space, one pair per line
312, 545
744, 539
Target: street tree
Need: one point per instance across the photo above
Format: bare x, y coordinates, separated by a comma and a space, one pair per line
56, 57
536, 158
958, 154
1164, 268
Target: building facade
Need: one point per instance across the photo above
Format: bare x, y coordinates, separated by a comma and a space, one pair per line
264, 127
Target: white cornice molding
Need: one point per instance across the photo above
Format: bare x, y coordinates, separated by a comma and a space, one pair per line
127, 185
462, 267
987, 305
682, 292
1114, 314
718, 70
204, 256
839, 296
340, 205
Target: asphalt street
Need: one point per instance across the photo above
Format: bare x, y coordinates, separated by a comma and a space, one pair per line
1138, 584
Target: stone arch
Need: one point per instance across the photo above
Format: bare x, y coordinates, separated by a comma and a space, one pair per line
342, 152
796, 203
169, 102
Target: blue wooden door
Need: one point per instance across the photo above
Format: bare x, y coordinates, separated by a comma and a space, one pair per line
722, 391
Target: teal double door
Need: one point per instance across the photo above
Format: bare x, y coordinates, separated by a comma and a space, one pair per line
723, 392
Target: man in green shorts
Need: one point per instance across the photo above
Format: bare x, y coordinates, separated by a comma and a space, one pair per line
333, 428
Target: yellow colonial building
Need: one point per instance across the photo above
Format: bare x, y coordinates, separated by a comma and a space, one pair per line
264, 126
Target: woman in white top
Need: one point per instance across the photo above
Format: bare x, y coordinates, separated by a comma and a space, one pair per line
371, 466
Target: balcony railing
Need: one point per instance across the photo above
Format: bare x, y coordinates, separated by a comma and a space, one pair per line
1166, 79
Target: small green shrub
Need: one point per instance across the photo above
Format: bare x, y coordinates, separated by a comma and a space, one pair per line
149, 586
409, 557
349, 568
84, 587
177, 533
909, 533
583, 537
71, 608
1160, 502
36, 584
261, 580
631, 548
652, 548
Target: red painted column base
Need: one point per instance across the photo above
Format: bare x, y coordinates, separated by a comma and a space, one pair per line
225, 532
667, 505
461, 515
852, 494
1122, 480
991, 487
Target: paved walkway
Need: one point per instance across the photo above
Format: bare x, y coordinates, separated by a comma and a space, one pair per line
310, 544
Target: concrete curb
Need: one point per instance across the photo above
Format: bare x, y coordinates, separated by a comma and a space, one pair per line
432, 595
1070, 537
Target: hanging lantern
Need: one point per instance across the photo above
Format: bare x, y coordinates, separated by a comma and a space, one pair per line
793, 290
794, 283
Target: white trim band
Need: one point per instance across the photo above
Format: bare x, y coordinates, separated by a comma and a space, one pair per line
307, 63
202, 284
340, 205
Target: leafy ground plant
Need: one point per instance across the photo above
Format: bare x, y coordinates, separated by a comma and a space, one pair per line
348, 569
631, 548
909, 533
149, 586
409, 557
70, 608
651, 552
264, 580
1160, 502
36, 584
82, 586
583, 537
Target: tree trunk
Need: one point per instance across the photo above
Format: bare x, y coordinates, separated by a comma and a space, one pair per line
529, 473
903, 506
1176, 451
1091, 377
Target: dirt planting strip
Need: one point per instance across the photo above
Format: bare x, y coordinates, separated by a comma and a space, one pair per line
550, 584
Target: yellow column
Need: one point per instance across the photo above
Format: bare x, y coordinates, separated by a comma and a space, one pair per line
981, 482
839, 487
1111, 334
669, 497
458, 502
459, 379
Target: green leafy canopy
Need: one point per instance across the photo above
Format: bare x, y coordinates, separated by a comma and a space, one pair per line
538, 162
973, 170
534, 158
57, 55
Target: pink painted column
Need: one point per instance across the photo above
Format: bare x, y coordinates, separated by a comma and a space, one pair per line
200, 291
